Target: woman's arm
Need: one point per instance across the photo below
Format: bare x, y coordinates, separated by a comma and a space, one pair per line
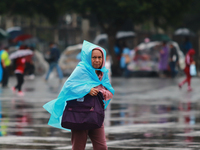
106, 93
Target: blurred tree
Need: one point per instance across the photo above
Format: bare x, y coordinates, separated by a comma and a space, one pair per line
49, 9
110, 14
192, 17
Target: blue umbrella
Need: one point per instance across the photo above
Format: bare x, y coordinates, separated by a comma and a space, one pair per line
14, 32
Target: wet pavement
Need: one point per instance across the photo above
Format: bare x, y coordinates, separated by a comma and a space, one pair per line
145, 114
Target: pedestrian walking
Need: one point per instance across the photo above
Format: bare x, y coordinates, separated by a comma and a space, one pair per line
163, 60
89, 77
19, 67
188, 61
173, 60
54, 55
6, 64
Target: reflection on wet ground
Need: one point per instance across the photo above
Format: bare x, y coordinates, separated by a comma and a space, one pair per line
145, 114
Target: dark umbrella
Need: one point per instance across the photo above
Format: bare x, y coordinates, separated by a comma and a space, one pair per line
14, 32
22, 37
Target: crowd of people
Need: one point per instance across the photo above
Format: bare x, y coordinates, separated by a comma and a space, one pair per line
167, 59
21, 63
168, 62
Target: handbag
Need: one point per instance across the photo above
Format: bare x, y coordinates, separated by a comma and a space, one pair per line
193, 71
85, 114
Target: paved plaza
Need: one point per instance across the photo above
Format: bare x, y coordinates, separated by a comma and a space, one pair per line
144, 114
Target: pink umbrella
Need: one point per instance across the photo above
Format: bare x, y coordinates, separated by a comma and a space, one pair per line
21, 53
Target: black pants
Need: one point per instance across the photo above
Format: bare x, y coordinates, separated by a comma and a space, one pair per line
20, 81
5, 77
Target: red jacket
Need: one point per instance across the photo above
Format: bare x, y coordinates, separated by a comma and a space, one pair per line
20, 65
188, 60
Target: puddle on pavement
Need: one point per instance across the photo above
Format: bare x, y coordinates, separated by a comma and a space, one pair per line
152, 124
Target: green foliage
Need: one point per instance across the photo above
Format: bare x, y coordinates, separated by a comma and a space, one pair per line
163, 13
51, 9
109, 12
192, 17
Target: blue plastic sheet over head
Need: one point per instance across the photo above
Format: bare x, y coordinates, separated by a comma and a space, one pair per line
79, 84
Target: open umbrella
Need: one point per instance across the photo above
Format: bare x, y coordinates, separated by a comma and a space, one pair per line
125, 34
22, 37
14, 32
21, 53
184, 32
120, 35
3, 34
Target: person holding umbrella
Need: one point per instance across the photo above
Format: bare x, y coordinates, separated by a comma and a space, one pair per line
20, 60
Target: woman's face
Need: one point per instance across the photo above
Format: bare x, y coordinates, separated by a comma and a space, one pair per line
97, 58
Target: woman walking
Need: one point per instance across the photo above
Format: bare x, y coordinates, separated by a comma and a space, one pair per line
89, 77
188, 61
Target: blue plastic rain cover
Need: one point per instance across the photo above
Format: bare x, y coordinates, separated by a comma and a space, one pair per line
1, 69
79, 84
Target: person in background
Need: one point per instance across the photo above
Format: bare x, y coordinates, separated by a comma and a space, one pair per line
163, 60
186, 46
188, 61
19, 72
1, 68
173, 60
6, 63
54, 55
125, 59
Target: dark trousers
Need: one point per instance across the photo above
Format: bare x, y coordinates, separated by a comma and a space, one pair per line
5, 77
173, 69
97, 136
20, 81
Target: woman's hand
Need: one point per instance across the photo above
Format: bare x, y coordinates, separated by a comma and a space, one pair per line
94, 92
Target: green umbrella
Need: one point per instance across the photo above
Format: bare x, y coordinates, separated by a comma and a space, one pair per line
160, 37
3, 34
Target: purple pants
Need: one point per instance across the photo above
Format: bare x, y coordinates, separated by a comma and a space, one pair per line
97, 136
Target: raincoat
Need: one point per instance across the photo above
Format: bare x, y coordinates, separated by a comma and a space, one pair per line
79, 84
